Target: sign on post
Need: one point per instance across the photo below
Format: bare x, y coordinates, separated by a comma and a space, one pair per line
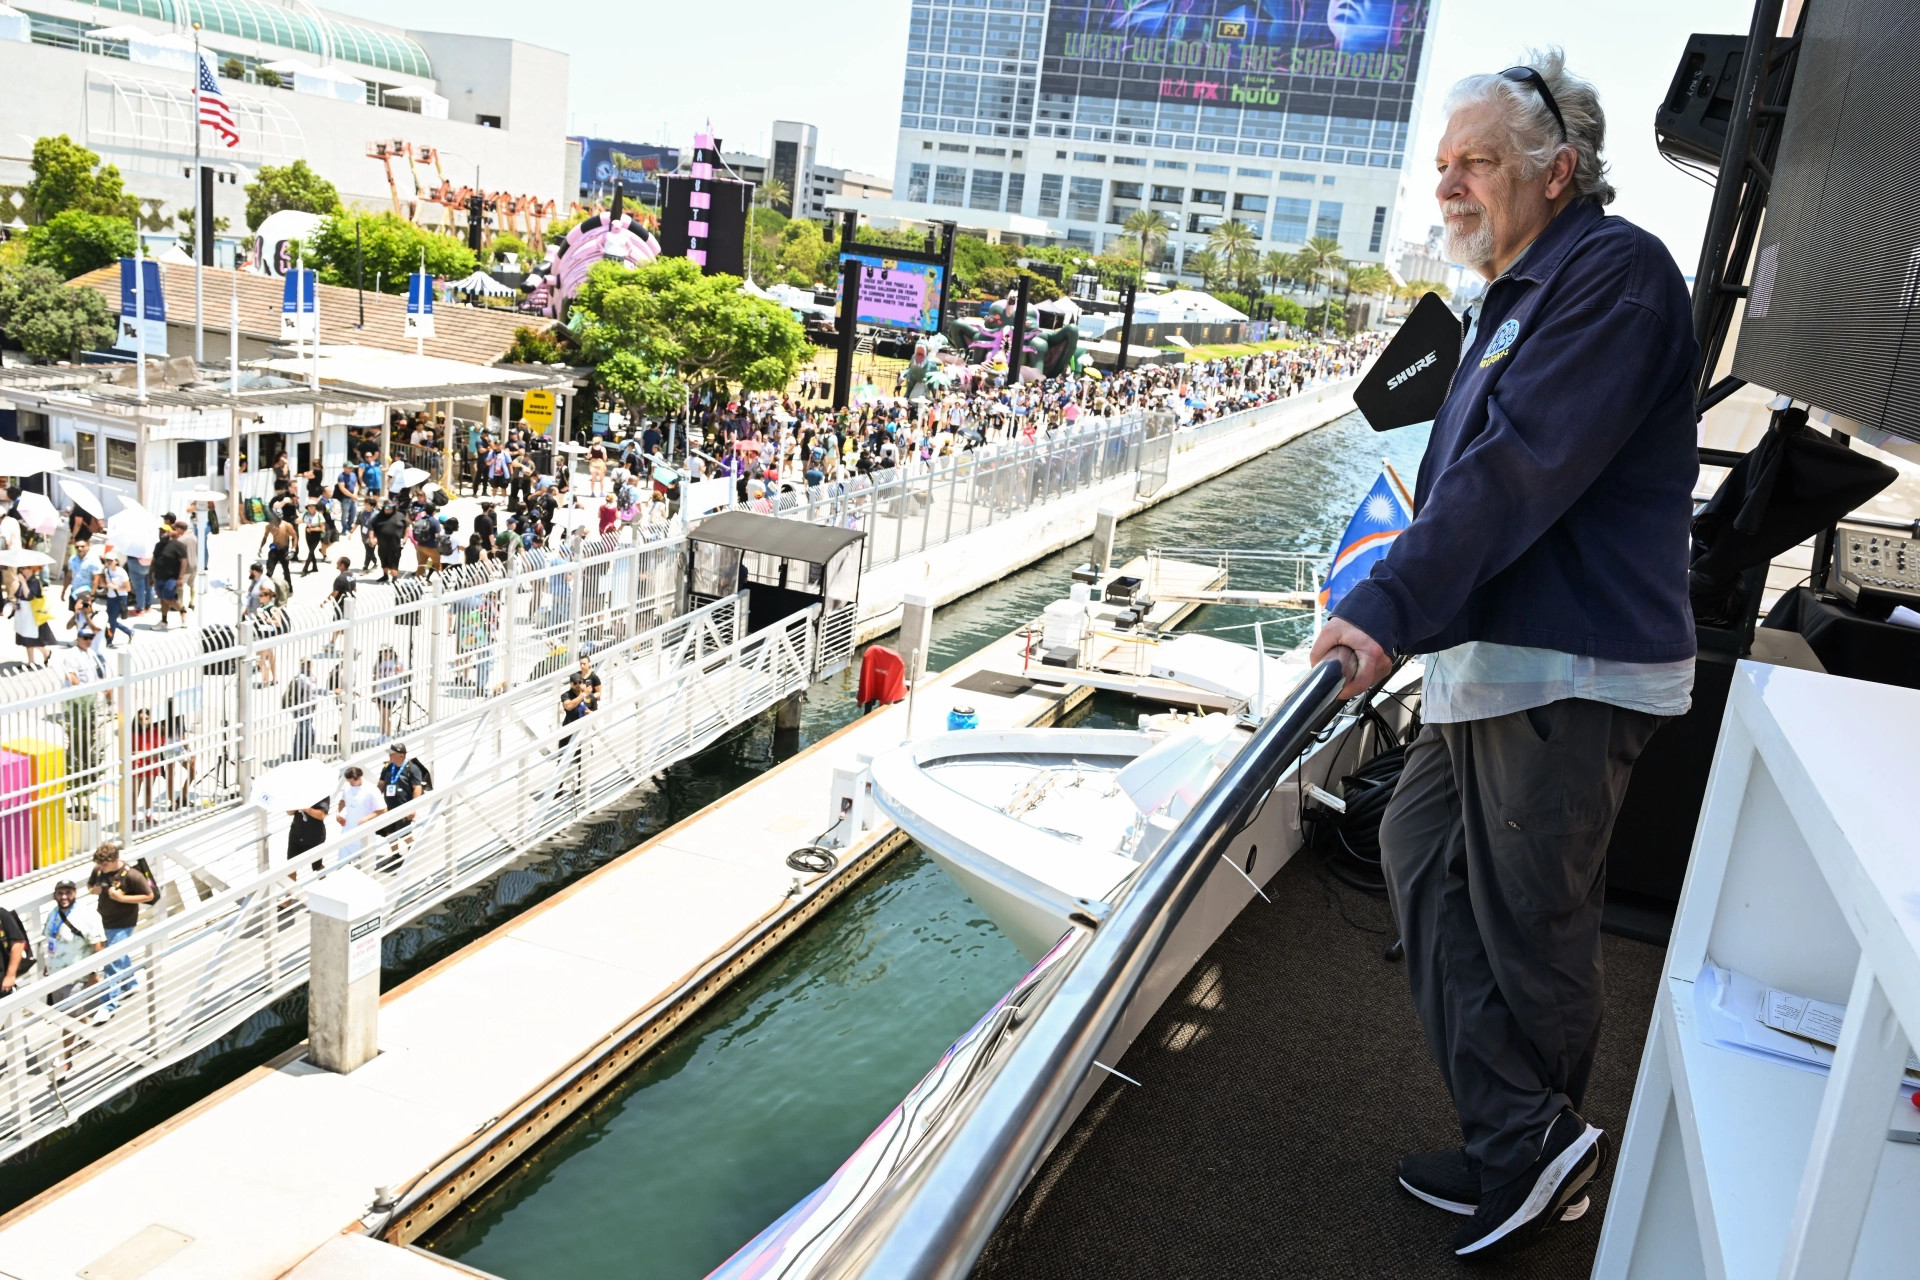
139, 332
419, 305
537, 411
898, 294
299, 314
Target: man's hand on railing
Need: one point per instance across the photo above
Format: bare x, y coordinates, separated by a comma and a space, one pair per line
1361, 660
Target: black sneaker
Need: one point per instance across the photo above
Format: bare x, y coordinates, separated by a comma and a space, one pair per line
1446, 1180
1513, 1216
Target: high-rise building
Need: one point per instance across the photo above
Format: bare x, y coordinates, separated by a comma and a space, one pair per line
1290, 116
794, 145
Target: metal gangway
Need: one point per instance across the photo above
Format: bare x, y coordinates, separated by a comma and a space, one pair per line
508, 778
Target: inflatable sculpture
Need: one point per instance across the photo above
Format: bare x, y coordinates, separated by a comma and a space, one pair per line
1051, 346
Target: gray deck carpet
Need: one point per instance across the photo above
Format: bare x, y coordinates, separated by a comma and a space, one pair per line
1279, 1085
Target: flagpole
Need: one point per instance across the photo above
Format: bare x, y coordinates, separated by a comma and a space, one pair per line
199, 216
140, 309
1400, 485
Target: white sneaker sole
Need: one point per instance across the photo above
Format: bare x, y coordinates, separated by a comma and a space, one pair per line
1571, 1213
1544, 1189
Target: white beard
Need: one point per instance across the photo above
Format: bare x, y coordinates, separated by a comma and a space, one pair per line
1469, 248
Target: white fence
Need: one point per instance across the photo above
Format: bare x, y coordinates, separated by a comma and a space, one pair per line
508, 779
176, 732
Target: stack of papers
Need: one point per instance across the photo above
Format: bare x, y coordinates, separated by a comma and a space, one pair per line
1741, 1013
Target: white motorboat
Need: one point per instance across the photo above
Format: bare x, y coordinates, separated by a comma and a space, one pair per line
1039, 824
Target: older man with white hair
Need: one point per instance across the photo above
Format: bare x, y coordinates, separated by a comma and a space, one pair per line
1544, 577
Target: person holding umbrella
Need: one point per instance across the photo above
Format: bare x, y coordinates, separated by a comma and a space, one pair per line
32, 617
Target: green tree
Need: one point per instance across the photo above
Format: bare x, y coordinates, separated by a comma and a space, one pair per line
1238, 301
390, 249
184, 221
504, 243
68, 176
233, 69
73, 243
531, 347
1316, 261
1275, 267
654, 329
271, 79
1287, 310
1148, 229
771, 193
998, 282
50, 320
1230, 237
292, 186
1206, 264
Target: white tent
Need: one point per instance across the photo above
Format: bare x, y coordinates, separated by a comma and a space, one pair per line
15, 25
484, 285
151, 48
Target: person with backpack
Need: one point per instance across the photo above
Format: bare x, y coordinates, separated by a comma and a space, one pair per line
18, 965
67, 944
122, 891
400, 781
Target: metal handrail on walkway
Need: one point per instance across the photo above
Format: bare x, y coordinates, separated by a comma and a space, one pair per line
176, 732
186, 980
937, 1213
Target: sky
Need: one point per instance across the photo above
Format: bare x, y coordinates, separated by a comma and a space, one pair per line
655, 72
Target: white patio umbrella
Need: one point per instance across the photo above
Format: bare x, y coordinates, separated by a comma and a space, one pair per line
37, 513
18, 459
84, 498
295, 785
204, 494
407, 477
21, 558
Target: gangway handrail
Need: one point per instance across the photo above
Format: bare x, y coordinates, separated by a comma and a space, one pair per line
935, 1218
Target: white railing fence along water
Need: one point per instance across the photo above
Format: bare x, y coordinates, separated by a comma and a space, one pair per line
73, 1039
920, 504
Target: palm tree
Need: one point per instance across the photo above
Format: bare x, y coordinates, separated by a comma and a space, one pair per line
1204, 263
1149, 229
1316, 261
1231, 237
772, 193
1276, 266
1366, 279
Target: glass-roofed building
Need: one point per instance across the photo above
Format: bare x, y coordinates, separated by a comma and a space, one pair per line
303, 82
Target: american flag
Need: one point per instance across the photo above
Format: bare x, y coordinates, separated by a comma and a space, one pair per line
214, 112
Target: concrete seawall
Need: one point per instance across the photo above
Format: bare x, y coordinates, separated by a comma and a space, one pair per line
965, 564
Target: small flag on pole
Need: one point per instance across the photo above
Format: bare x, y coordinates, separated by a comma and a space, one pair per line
214, 112
1380, 518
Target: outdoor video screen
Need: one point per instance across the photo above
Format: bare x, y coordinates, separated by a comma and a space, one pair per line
1231, 52
898, 295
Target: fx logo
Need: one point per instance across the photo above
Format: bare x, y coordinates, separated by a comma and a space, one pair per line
1229, 29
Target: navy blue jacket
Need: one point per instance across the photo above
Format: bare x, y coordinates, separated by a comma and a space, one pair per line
1554, 497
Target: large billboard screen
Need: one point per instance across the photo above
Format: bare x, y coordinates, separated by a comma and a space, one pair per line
898, 295
1232, 52
636, 164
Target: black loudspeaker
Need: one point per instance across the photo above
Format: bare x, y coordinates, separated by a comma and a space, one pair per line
724, 243
1831, 310
1691, 124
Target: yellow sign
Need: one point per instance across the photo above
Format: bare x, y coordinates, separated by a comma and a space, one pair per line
538, 411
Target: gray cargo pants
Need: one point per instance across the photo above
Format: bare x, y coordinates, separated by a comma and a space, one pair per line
1494, 849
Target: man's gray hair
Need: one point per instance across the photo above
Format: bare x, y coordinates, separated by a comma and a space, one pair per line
1536, 134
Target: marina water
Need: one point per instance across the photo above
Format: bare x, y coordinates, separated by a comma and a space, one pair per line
759, 1098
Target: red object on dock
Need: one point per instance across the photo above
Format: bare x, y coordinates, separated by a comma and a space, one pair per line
883, 676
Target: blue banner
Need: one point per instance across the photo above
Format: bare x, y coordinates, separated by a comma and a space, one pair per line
297, 294
156, 301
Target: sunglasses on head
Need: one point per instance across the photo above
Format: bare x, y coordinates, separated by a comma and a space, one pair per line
1527, 75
